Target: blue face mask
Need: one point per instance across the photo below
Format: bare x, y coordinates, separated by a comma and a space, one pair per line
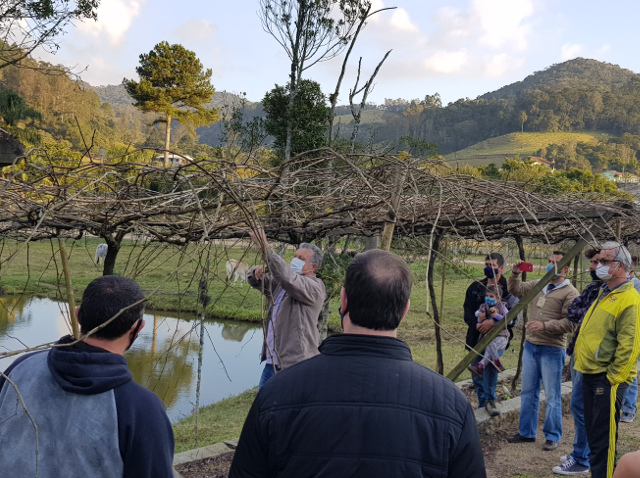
297, 265
549, 268
490, 301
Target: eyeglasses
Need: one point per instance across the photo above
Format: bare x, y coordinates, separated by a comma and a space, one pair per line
604, 262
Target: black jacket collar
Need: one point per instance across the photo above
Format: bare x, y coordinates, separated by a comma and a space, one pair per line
365, 345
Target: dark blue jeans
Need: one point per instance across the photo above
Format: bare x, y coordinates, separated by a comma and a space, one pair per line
267, 373
486, 386
580, 451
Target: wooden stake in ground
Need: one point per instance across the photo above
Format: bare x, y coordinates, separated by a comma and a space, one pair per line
75, 328
390, 221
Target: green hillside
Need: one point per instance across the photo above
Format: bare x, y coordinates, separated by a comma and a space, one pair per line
493, 150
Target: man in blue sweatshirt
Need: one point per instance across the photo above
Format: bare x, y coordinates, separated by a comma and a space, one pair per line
74, 411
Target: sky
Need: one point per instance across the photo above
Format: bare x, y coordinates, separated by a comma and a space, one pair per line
457, 48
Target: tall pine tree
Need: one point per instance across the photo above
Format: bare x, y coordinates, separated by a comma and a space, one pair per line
174, 84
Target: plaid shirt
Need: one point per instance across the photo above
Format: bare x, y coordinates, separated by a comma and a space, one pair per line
579, 307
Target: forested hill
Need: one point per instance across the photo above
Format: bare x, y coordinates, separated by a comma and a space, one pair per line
580, 72
117, 95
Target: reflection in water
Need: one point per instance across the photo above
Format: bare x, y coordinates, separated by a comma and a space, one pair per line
235, 331
10, 308
163, 359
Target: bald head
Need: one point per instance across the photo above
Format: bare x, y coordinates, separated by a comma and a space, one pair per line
378, 287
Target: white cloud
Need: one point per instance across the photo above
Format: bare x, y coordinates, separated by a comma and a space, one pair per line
502, 21
195, 30
446, 61
400, 20
501, 64
570, 51
114, 21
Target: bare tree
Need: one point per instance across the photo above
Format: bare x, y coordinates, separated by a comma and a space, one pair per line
310, 31
333, 99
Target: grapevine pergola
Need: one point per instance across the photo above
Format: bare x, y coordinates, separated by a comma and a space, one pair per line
325, 194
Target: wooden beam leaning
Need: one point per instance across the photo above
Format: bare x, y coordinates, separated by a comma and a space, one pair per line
519, 307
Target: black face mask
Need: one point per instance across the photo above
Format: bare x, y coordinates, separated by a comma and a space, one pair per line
490, 272
342, 314
135, 332
594, 276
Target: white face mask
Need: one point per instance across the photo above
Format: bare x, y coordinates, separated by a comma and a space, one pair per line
603, 272
297, 265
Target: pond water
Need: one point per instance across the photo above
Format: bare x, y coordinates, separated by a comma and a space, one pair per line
164, 359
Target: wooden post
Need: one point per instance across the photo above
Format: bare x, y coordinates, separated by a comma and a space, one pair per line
390, 221
520, 306
75, 328
432, 294
574, 281
444, 274
525, 316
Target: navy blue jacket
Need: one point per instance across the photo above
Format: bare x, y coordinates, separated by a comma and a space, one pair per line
362, 408
92, 418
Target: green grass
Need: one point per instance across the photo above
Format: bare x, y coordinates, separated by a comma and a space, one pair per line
216, 423
493, 150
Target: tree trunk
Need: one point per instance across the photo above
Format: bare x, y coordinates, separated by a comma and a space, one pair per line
434, 306
323, 320
113, 247
167, 142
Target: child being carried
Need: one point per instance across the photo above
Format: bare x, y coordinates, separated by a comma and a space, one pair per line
492, 309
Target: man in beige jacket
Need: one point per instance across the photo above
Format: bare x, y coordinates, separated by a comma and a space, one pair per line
544, 352
296, 297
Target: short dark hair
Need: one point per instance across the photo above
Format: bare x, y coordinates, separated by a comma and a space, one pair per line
378, 287
558, 253
590, 254
495, 256
103, 298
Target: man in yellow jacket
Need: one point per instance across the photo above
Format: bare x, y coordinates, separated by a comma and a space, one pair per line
606, 353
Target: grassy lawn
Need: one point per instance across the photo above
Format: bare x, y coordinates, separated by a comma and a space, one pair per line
174, 275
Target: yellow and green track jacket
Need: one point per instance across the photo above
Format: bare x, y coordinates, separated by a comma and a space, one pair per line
609, 339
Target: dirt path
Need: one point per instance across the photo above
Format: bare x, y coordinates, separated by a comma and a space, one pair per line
528, 460
502, 459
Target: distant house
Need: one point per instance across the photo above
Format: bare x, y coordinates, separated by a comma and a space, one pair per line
619, 177
539, 160
174, 159
10, 148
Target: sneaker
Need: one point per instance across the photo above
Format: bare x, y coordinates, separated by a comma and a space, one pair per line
565, 458
498, 365
517, 438
570, 468
627, 417
477, 369
550, 445
492, 408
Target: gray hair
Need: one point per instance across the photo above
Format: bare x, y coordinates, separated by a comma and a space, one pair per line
317, 253
621, 254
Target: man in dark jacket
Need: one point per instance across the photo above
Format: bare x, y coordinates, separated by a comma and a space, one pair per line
474, 298
362, 408
92, 419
